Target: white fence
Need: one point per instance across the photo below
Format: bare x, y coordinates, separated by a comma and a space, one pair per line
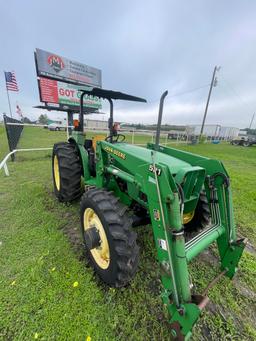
38, 138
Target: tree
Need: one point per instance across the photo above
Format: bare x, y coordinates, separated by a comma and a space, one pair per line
26, 120
251, 131
43, 119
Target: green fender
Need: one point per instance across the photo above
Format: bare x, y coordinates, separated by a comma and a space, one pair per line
83, 154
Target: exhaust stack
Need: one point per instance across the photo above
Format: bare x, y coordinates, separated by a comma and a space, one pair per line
160, 114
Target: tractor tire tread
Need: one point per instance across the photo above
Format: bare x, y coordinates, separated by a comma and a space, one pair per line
123, 238
70, 172
202, 217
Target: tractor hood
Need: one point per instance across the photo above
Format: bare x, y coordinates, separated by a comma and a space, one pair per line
129, 158
144, 155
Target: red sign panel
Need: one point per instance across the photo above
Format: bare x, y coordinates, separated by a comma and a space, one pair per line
56, 92
49, 90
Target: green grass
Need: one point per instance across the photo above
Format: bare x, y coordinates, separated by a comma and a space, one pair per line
41, 259
3, 142
37, 137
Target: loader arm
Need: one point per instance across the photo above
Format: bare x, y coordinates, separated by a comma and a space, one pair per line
159, 181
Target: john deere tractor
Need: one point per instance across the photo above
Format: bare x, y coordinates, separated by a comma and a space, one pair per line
185, 198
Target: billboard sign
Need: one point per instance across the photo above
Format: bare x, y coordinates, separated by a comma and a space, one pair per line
65, 94
53, 66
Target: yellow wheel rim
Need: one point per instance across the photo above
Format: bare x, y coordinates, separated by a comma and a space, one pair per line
56, 172
187, 217
101, 253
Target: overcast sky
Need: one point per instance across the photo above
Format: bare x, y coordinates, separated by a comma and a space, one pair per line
142, 48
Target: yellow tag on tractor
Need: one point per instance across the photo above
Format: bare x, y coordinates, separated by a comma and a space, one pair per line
184, 197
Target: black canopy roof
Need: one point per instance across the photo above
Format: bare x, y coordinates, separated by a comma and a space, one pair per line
64, 108
109, 94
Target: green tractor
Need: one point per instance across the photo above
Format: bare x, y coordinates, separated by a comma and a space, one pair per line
186, 198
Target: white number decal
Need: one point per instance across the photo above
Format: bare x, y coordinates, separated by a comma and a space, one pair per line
151, 169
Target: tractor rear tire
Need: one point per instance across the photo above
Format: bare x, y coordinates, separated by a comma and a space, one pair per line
66, 172
202, 216
116, 256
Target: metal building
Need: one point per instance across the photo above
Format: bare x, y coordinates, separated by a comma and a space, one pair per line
214, 131
95, 124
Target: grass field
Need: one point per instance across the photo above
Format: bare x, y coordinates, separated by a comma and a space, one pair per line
48, 292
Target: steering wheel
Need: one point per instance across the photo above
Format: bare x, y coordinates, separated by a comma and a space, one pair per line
115, 138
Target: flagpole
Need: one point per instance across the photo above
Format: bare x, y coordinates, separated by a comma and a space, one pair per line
9, 101
8, 94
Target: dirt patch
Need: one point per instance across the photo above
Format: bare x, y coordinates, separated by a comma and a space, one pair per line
244, 291
69, 218
250, 248
208, 256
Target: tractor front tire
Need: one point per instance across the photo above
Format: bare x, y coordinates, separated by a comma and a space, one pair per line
202, 216
115, 255
66, 172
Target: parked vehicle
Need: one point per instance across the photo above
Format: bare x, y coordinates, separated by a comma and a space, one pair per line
243, 139
57, 125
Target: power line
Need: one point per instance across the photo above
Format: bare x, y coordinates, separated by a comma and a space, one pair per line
182, 93
236, 94
156, 100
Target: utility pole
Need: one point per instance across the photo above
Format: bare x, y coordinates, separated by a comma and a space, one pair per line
213, 83
251, 121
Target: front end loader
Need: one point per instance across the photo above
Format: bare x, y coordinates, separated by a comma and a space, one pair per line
186, 198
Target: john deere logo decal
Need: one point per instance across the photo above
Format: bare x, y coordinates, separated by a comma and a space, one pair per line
115, 152
56, 63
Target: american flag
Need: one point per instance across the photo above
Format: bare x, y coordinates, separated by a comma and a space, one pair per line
11, 83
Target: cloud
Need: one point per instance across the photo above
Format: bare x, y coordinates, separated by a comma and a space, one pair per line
143, 48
